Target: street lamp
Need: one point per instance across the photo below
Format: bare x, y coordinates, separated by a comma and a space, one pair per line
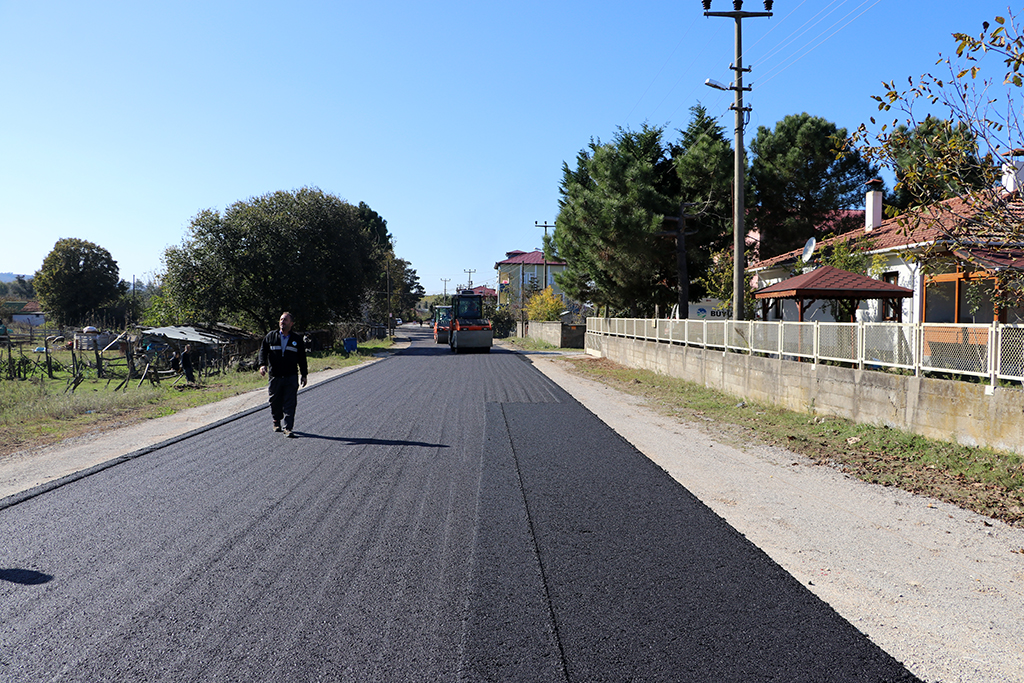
739, 230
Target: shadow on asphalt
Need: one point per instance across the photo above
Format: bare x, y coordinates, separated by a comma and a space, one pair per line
355, 441
26, 577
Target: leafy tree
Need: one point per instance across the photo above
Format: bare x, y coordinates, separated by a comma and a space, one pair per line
22, 288
406, 288
400, 279
545, 305
502, 320
611, 207
717, 281
77, 278
969, 154
799, 185
160, 311
304, 251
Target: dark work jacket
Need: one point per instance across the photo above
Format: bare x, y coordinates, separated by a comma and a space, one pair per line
283, 362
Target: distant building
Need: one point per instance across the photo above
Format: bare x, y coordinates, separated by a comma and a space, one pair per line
24, 312
486, 292
32, 315
522, 272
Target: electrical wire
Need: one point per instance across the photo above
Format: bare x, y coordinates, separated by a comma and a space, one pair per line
794, 60
665, 64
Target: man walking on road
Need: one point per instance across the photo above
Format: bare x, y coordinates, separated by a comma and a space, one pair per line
283, 354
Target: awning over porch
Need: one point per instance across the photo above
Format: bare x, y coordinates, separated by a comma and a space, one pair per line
828, 282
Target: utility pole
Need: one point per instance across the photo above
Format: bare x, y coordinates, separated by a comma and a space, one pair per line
683, 292
544, 251
739, 229
470, 279
446, 280
388, 293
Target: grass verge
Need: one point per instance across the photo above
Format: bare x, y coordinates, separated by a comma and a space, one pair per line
532, 344
988, 482
38, 411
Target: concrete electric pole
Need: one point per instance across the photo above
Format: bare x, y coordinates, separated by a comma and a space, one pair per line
739, 229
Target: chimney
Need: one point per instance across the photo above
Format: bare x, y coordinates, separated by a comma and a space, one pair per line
1013, 178
873, 205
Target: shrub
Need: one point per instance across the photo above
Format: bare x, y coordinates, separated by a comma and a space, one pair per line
545, 305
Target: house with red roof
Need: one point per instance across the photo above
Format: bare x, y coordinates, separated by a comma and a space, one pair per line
486, 292
524, 271
948, 254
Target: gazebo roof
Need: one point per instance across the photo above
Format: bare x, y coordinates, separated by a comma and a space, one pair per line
828, 282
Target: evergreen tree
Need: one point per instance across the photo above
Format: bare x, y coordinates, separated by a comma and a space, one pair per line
611, 207
800, 187
914, 150
704, 164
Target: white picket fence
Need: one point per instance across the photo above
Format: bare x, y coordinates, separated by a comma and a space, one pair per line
992, 352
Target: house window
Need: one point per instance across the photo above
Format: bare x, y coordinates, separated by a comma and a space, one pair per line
960, 298
940, 301
892, 309
976, 301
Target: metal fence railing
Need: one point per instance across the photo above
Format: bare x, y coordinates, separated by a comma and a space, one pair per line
993, 352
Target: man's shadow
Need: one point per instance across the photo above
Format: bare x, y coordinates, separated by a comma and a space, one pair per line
356, 441
26, 577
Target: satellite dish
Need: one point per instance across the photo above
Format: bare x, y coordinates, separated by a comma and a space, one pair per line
809, 250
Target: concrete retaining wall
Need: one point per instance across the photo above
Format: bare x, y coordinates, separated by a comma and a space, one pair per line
970, 414
559, 334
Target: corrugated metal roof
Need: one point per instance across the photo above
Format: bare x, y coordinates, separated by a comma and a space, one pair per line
184, 333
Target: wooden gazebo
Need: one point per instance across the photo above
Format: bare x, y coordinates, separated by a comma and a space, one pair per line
829, 283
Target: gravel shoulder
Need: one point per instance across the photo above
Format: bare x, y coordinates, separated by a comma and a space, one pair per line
939, 588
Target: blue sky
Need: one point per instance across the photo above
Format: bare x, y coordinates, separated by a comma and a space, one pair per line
120, 121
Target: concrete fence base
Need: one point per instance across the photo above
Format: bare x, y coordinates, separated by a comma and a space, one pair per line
962, 412
559, 334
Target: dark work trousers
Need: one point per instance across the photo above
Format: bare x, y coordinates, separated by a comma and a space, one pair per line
283, 393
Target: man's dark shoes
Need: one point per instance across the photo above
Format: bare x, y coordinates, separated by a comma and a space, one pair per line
290, 434
277, 426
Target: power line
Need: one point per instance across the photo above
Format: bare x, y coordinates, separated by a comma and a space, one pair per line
813, 21
829, 37
665, 64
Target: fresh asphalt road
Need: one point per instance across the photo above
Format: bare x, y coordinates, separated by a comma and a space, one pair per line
440, 518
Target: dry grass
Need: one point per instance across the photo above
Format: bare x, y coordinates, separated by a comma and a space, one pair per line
40, 411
